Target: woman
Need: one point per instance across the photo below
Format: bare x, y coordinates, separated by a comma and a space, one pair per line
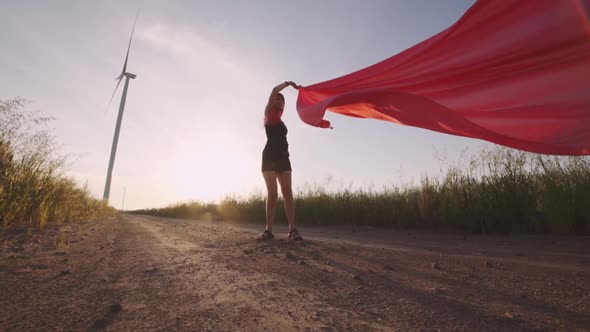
276, 164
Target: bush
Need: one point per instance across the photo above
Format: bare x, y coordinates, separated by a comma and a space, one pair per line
33, 188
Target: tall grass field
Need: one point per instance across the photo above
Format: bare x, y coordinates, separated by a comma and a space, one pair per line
33, 188
498, 191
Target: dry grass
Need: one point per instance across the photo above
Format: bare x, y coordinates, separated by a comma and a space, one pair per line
33, 188
498, 191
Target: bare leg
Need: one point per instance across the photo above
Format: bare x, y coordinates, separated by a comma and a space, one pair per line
287, 191
270, 178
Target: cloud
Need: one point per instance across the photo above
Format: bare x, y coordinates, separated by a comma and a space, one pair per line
186, 45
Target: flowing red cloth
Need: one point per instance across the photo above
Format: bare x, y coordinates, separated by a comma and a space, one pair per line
512, 72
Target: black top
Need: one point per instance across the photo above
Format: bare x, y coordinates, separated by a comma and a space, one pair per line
276, 141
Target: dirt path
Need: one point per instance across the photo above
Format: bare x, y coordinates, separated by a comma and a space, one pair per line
144, 273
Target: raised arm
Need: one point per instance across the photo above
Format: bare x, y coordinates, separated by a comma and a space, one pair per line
275, 92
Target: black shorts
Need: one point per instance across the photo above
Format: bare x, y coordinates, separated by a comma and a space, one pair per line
274, 163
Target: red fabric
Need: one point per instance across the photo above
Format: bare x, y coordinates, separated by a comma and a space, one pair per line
513, 72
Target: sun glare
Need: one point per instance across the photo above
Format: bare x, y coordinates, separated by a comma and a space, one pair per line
211, 171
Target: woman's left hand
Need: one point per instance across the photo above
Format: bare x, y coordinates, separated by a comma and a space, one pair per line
293, 84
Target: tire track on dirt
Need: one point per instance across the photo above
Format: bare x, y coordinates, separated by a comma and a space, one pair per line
147, 273
251, 300
398, 287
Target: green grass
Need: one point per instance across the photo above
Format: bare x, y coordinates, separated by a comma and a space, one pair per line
33, 188
499, 191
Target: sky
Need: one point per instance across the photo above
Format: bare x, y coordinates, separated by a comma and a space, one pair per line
192, 127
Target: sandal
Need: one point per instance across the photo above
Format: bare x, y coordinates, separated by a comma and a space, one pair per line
266, 235
294, 235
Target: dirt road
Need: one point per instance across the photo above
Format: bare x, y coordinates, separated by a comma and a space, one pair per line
144, 273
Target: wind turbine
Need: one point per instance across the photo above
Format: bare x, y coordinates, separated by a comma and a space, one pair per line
124, 73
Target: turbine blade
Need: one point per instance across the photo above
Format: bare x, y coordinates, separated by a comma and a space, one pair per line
129, 47
113, 96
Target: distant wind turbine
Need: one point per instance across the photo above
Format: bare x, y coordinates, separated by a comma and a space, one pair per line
124, 73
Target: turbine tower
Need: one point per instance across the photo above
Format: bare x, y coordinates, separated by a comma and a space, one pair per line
124, 73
